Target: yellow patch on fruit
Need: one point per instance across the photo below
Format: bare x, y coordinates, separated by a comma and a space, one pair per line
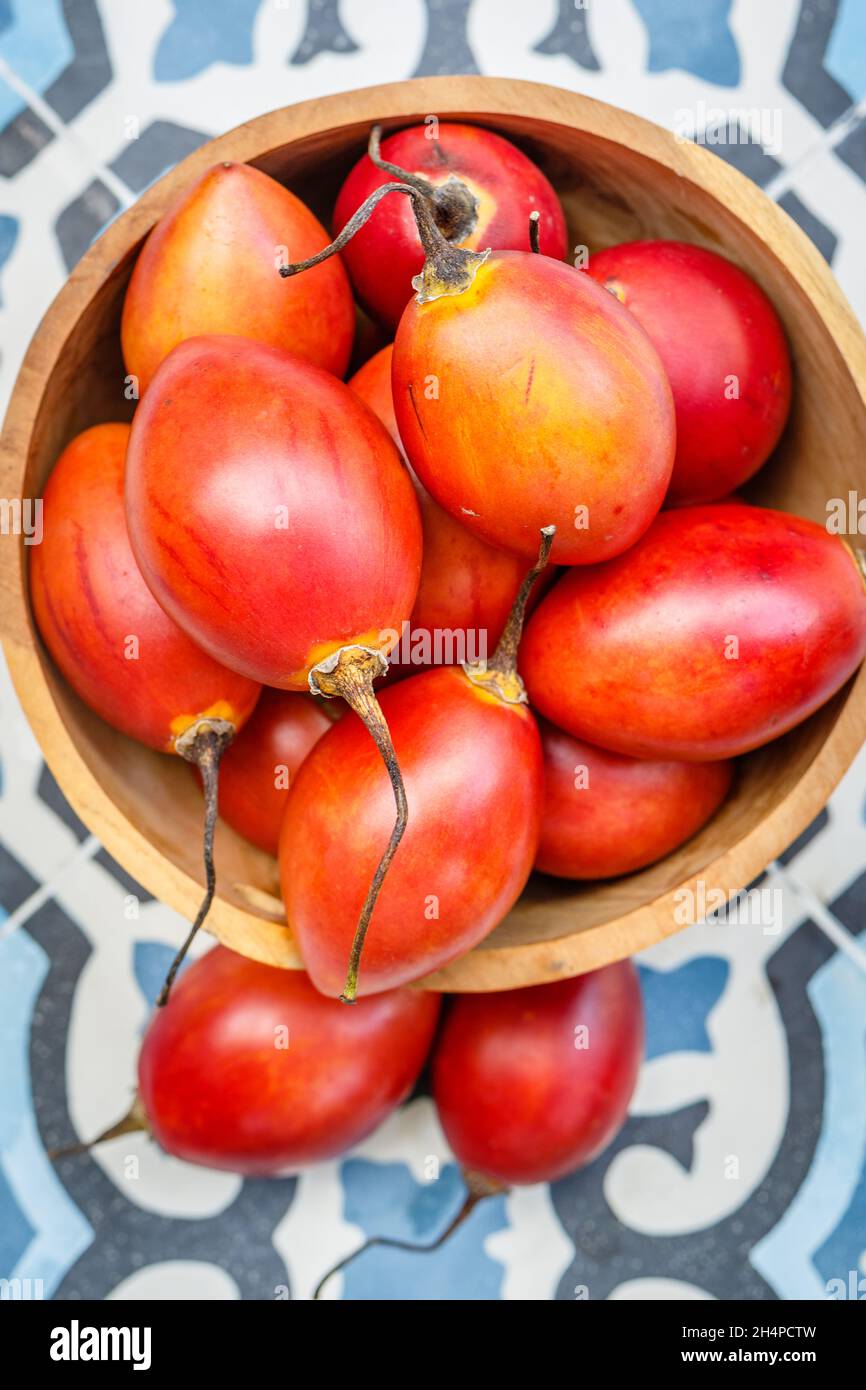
380, 640
220, 709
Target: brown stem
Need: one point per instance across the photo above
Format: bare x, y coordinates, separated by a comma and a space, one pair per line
447, 269
350, 673
534, 244
455, 208
478, 1187
133, 1122
499, 674
203, 744
375, 155
505, 657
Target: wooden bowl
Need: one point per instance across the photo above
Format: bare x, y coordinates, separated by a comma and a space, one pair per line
619, 178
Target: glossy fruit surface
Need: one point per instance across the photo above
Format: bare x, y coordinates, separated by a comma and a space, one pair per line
250, 1069
269, 510
210, 266
533, 1083
725, 626
724, 351
473, 774
605, 814
532, 398
259, 767
372, 382
467, 586
385, 255
119, 651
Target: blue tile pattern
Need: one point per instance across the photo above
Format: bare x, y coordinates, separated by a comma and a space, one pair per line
741, 1171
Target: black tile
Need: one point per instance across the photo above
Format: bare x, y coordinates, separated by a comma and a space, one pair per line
89, 73
446, 48
83, 219
804, 74
16, 883
49, 792
324, 33
825, 240
569, 37
852, 150
808, 834
21, 141
749, 156
157, 149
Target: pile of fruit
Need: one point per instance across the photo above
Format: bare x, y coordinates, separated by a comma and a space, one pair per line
223, 577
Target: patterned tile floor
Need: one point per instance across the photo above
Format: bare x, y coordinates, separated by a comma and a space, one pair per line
742, 1169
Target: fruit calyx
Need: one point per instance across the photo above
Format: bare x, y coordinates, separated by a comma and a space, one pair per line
203, 745
454, 206
448, 269
478, 1186
498, 676
349, 672
133, 1122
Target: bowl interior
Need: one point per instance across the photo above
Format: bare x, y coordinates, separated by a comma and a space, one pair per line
611, 194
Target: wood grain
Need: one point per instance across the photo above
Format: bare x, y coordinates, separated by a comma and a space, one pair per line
619, 177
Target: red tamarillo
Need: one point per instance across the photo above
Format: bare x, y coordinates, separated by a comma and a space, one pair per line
532, 1083
471, 757
722, 628
481, 190
273, 519
724, 352
525, 396
605, 814
119, 651
467, 586
209, 266
252, 1070
260, 766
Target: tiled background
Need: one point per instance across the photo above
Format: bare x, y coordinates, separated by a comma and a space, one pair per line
756, 1042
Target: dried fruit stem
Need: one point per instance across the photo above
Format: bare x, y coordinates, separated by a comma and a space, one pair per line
478, 1187
350, 673
455, 208
534, 244
505, 657
499, 674
447, 269
202, 744
133, 1122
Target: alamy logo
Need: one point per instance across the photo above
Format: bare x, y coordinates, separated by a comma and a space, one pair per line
22, 517
853, 1288
77, 1343
21, 1290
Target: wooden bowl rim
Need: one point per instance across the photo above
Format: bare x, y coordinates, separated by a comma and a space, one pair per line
478, 99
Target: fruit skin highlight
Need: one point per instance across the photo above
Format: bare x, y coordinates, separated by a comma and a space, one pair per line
551, 406
467, 586
251, 1070
473, 773
383, 258
721, 629
210, 266
94, 610
269, 510
525, 1096
724, 351
260, 766
605, 814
